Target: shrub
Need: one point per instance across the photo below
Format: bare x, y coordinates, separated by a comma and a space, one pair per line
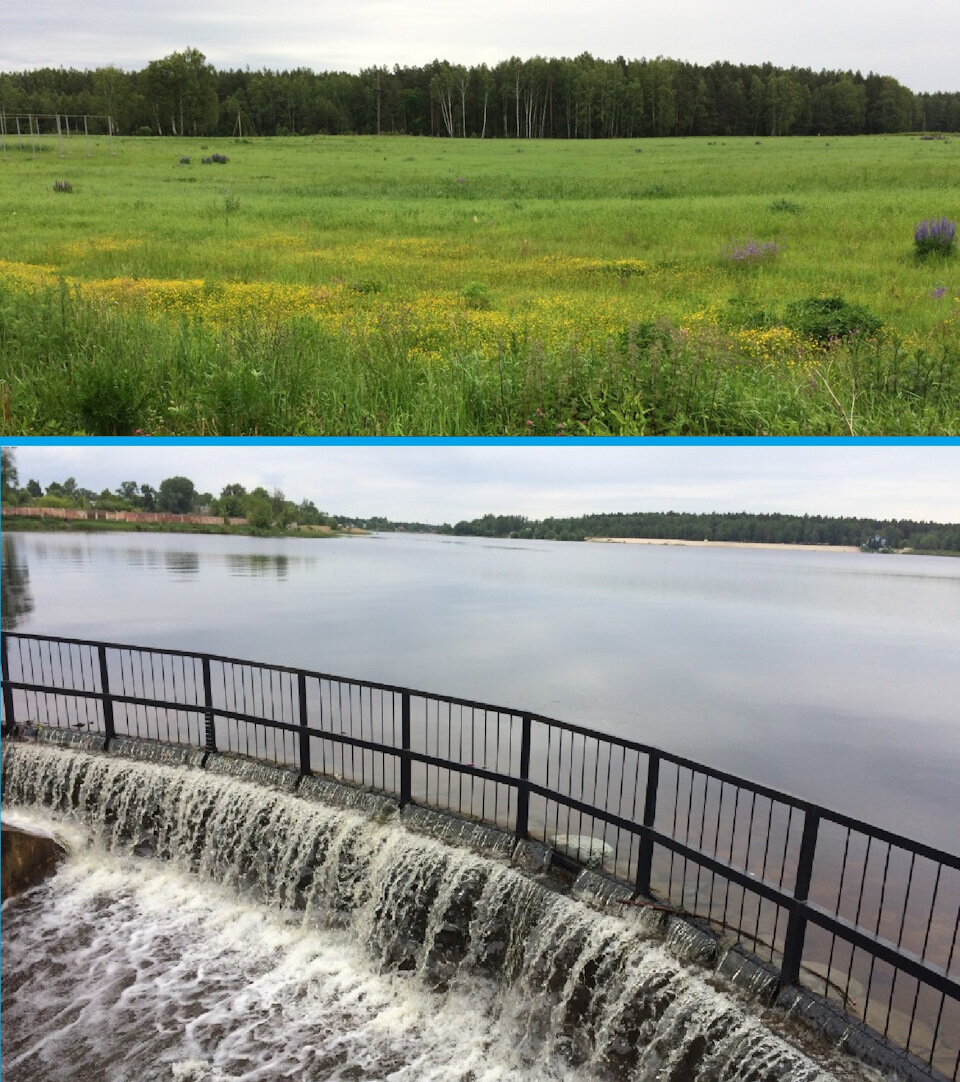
476, 295
62, 186
366, 286
184, 161
107, 398
215, 159
826, 318
934, 236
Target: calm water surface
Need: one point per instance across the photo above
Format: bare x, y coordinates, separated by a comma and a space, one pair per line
835, 676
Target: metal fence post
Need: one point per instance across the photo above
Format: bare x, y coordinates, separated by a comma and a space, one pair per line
210, 732
797, 924
645, 851
8, 720
304, 732
523, 789
108, 726
405, 771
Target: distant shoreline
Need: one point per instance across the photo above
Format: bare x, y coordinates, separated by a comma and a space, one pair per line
722, 544
47, 525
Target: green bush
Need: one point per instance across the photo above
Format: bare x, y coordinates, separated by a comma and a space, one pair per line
826, 318
476, 295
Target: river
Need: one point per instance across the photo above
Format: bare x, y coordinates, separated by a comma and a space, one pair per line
834, 676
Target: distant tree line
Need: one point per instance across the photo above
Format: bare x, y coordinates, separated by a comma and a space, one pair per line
580, 97
771, 529
178, 495
175, 496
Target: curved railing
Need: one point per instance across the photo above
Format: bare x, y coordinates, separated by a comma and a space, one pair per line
852, 912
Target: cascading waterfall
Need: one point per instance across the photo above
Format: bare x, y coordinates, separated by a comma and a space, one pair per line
460, 966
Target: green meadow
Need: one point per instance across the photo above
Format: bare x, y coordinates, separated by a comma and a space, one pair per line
413, 286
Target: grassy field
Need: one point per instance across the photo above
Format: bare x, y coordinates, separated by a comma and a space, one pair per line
403, 286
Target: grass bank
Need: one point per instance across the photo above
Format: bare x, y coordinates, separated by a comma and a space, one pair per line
18, 524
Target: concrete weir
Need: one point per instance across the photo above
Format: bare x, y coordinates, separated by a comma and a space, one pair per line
572, 968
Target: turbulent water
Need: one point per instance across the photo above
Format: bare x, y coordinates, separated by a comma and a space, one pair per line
273, 936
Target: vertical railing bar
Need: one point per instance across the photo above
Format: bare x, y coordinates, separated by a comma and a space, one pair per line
623, 764
596, 772
353, 731
486, 763
166, 697
797, 921
645, 851
673, 831
733, 833
906, 899
703, 826
323, 727
460, 758
87, 703
405, 747
686, 838
863, 879
766, 843
143, 692
556, 805
62, 681
209, 727
338, 746
23, 673
522, 826
109, 732
9, 717
304, 725
786, 841
926, 940
473, 755
716, 854
893, 989
179, 695
496, 787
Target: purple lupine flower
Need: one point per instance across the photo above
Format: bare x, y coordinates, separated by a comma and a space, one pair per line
935, 235
751, 252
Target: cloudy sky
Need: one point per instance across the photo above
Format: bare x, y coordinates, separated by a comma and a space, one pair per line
913, 40
445, 483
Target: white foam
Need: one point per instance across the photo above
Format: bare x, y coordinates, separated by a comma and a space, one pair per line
318, 944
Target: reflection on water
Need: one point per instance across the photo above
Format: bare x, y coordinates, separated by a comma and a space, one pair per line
15, 579
181, 563
830, 675
258, 563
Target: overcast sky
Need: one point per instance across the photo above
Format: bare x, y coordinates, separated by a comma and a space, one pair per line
446, 483
913, 40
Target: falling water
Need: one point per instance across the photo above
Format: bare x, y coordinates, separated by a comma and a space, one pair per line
322, 942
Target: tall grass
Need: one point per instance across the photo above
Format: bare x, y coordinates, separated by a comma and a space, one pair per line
72, 365
467, 287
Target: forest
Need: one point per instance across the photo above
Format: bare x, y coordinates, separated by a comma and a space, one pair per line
582, 97
770, 528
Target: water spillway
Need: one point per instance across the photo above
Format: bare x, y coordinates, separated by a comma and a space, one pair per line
276, 935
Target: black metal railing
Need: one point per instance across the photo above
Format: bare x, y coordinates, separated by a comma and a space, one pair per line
852, 912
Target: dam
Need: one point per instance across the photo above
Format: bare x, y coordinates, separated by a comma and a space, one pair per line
275, 873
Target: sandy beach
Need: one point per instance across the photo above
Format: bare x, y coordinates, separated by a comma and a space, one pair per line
721, 544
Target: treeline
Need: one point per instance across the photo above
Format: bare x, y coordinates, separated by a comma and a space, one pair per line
742, 527
581, 97
175, 496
